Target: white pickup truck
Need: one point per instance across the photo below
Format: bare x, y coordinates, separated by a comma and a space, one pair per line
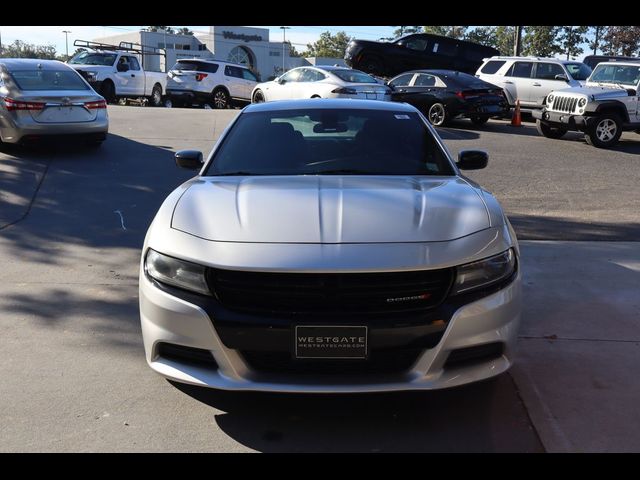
117, 74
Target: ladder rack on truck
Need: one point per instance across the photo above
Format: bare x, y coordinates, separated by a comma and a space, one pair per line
129, 47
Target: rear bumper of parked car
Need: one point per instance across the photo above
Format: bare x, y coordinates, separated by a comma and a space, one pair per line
188, 96
22, 129
482, 332
562, 119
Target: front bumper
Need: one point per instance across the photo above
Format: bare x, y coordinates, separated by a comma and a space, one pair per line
167, 318
562, 119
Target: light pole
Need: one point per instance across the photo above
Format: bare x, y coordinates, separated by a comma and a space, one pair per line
66, 40
284, 31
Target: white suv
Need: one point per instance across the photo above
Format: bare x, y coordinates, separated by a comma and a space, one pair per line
531, 79
210, 83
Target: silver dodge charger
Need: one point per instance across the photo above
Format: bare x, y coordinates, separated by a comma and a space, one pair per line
41, 99
330, 246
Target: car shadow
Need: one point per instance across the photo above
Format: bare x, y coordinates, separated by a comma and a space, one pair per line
539, 227
483, 417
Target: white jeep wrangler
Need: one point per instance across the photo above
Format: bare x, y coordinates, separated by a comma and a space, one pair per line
605, 107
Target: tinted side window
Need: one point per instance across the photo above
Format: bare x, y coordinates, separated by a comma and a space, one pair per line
133, 63
292, 75
209, 67
520, 69
402, 80
444, 48
425, 80
248, 75
416, 43
548, 71
230, 71
492, 66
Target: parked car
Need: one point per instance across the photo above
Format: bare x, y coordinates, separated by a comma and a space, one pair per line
593, 60
605, 107
421, 50
530, 79
442, 95
330, 246
209, 83
321, 82
41, 99
116, 73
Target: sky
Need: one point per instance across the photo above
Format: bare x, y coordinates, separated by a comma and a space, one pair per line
300, 36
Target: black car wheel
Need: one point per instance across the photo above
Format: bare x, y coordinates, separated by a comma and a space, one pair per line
371, 64
479, 120
258, 97
437, 115
605, 131
108, 91
548, 131
156, 96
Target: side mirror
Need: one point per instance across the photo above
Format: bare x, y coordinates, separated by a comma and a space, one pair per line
472, 160
392, 87
122, 67
189, 159
562, 76
281, 80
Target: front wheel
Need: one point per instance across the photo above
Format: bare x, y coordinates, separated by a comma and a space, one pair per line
605, 131
371, 64
546, 130
108, 91
156, 96
220, 99
437, 115
479, 120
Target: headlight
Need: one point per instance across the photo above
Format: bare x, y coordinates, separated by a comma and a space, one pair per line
550, 99
582, 102
91, 76
484, 273
178, 273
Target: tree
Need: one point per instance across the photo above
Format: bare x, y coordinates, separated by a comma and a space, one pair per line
328, 45
160, 29
184, 31
597, 37
20, 49
401, 31
571, 40
541, 41
292, 50
621, 40
446, 31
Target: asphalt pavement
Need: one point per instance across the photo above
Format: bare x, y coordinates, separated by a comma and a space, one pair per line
72, 222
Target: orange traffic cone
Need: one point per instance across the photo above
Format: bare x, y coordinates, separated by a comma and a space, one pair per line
516, 121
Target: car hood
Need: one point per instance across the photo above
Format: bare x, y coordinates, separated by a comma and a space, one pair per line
330, 209
599, 92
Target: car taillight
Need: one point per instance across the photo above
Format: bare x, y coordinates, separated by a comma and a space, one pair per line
13, 105
461, 95
200, 76
345, 91
95, 105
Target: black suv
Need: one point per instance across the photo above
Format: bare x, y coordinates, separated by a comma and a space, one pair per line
417, 51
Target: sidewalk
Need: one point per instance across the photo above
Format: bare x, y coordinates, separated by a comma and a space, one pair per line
579, 348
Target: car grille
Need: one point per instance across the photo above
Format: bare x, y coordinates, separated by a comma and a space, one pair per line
379, 362
564, 104
319, 293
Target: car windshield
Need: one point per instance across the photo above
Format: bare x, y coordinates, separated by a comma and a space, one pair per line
578, 71
48, 80
613, 73
89, 58
330, 142
353, 76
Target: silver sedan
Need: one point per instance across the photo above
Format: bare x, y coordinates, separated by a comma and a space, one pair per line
41, 99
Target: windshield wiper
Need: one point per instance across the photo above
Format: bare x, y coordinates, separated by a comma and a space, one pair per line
236, 174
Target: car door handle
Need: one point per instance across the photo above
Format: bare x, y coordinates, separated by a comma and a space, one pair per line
508, 83
537, 84
133, 75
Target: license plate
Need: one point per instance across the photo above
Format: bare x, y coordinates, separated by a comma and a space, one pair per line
490, 109
332, 342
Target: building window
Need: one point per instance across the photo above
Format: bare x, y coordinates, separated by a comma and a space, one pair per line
241, 55
274, 53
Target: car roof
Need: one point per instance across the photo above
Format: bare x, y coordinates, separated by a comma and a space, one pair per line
545, 59
16, 63
333, 103
620, 64
211, 60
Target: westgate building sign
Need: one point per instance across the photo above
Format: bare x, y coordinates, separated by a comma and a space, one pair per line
241, 36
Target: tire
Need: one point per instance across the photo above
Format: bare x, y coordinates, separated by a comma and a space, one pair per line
258, 97
605, 131
220, 99
316, 96
437, 115
479, 120
168, 103
155, 100
108, 91
371, 64
550, 132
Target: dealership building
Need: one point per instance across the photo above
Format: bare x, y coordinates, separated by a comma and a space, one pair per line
245, 45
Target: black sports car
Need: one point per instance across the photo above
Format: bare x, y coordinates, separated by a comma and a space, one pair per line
443, 95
